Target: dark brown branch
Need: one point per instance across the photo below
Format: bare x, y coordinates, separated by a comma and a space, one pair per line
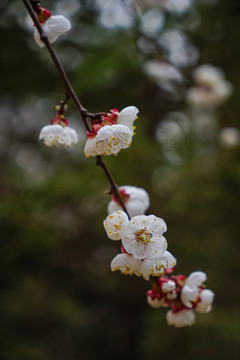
114, 189
69, 92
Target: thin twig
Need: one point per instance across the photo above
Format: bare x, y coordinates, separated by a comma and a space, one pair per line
69, 92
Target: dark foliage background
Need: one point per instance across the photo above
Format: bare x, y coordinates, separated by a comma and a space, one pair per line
59, 299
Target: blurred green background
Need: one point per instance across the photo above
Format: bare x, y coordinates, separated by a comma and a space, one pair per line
59, 299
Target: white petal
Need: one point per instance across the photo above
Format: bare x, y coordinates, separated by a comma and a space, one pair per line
59, 24
196, 278
205, 304
71, 135
181, 318
155, 266
156, 225
127, 116
127, 264
115, 224
168, 260
37, 38
90, 148
156, 247
189, 294
56, 130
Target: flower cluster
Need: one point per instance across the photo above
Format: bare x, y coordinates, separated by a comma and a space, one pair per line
183, 295
112, 132
211, 87
144, 253
53, 26
144, 248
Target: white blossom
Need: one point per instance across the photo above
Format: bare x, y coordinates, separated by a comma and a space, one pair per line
206, 300
127, 264
212, 89
165, 75
135, 199
190, 290
58, 135
53, 27
178, 6
207, 75
113, 133
229, 137
115, 224
154, 266
110, 139
181, 318
143, 238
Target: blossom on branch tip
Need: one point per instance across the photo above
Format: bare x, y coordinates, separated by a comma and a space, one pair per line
53, 26
134, 198
58, 135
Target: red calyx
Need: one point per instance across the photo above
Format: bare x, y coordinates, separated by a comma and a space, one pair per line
43, 15
124, 196
93, 133
59, 120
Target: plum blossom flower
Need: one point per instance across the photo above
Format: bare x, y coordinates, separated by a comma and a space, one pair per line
156, 266
229, 137
115, 224
58, 135
109, 140
113, 133
127, 264
142, 237
53, 26
166, 76
211, 87
182, 318
135, 199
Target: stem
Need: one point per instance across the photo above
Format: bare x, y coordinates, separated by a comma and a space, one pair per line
69, 92
114, 189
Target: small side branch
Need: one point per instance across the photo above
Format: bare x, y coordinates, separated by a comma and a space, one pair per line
32, 6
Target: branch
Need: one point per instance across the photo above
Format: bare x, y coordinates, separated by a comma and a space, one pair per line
69, 92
